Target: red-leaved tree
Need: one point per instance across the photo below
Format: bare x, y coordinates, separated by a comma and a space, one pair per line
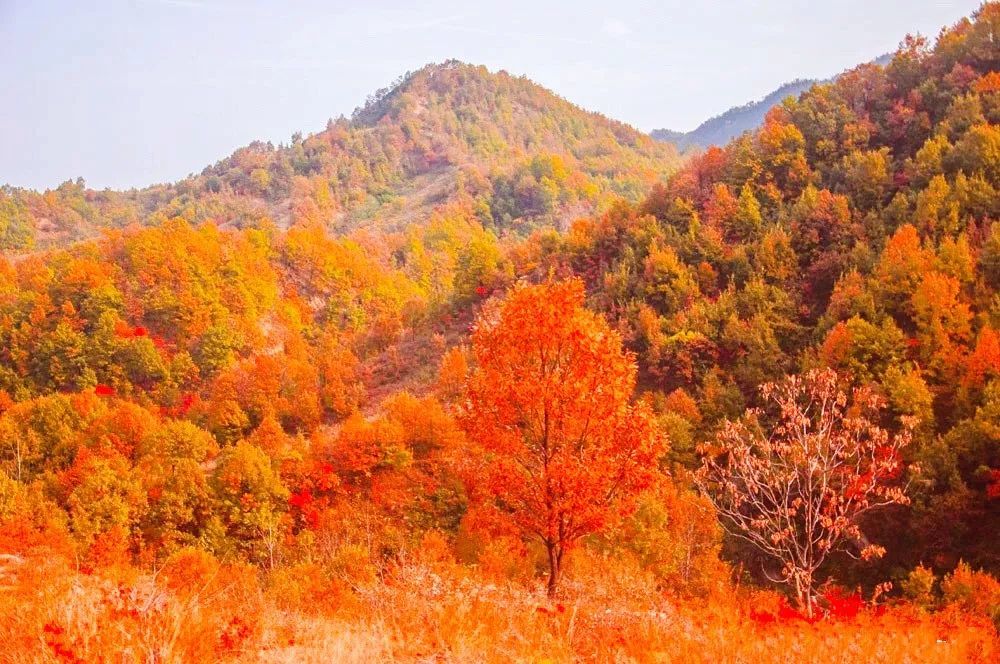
548, 405
793, 478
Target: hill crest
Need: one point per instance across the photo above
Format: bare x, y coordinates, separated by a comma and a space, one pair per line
448, 133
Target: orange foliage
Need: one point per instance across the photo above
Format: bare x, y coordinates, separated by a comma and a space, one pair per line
984, 361
563, 450
198, 610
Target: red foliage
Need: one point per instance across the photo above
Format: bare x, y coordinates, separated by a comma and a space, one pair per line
234, 635
124, 331
187, 400
305, 503
787, 614
841, 606
104, 390
182, 407
60, 643
984, 361
993, 488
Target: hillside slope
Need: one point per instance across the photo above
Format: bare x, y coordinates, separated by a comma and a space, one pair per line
255, 444
856, 230
515, 151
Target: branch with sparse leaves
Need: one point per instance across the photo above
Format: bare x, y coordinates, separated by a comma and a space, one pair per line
792, 479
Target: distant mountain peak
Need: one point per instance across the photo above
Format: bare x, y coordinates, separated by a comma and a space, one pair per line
722, 128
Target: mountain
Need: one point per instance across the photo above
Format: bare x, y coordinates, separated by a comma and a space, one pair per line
516, 153
721, 129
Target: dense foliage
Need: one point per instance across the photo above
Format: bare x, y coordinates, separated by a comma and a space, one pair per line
855, 230
562, 450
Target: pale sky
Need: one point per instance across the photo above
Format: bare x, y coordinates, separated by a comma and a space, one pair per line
132, 92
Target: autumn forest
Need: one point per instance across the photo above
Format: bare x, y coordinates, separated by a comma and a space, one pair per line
475, 375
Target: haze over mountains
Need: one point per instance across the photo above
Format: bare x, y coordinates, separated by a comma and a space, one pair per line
521, 155
721, 129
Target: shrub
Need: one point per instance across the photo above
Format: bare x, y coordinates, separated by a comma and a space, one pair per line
976, 592
918, 586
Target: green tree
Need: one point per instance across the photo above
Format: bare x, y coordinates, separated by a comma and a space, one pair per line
251, 500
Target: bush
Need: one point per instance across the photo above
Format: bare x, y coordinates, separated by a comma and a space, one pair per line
975, 592
918, 586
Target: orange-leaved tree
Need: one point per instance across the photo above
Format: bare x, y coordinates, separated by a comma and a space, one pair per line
793, 478
563, 451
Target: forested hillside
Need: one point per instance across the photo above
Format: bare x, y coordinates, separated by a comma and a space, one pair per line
515, 153
479, 376
855, 231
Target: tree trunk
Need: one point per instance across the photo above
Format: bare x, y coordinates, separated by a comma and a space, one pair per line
801, 595
555, 564
804, 596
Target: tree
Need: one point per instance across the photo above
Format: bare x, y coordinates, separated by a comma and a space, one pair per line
251, 499
16, 228
944, 323
899, 269
821, 222
479, 267
867, 176
179, 500
563, 450
101, 493
42, 435
794, 479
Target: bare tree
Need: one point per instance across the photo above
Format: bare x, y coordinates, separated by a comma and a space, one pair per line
793, 479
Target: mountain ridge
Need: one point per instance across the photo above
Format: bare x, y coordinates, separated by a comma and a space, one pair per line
720, 129
514, 151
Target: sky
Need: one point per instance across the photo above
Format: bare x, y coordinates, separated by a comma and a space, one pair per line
127, 93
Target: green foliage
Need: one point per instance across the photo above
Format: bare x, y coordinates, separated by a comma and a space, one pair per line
38, 436
251, 499
976, 592
854, 229
444, 134
16, 228
103, 495
918, 586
